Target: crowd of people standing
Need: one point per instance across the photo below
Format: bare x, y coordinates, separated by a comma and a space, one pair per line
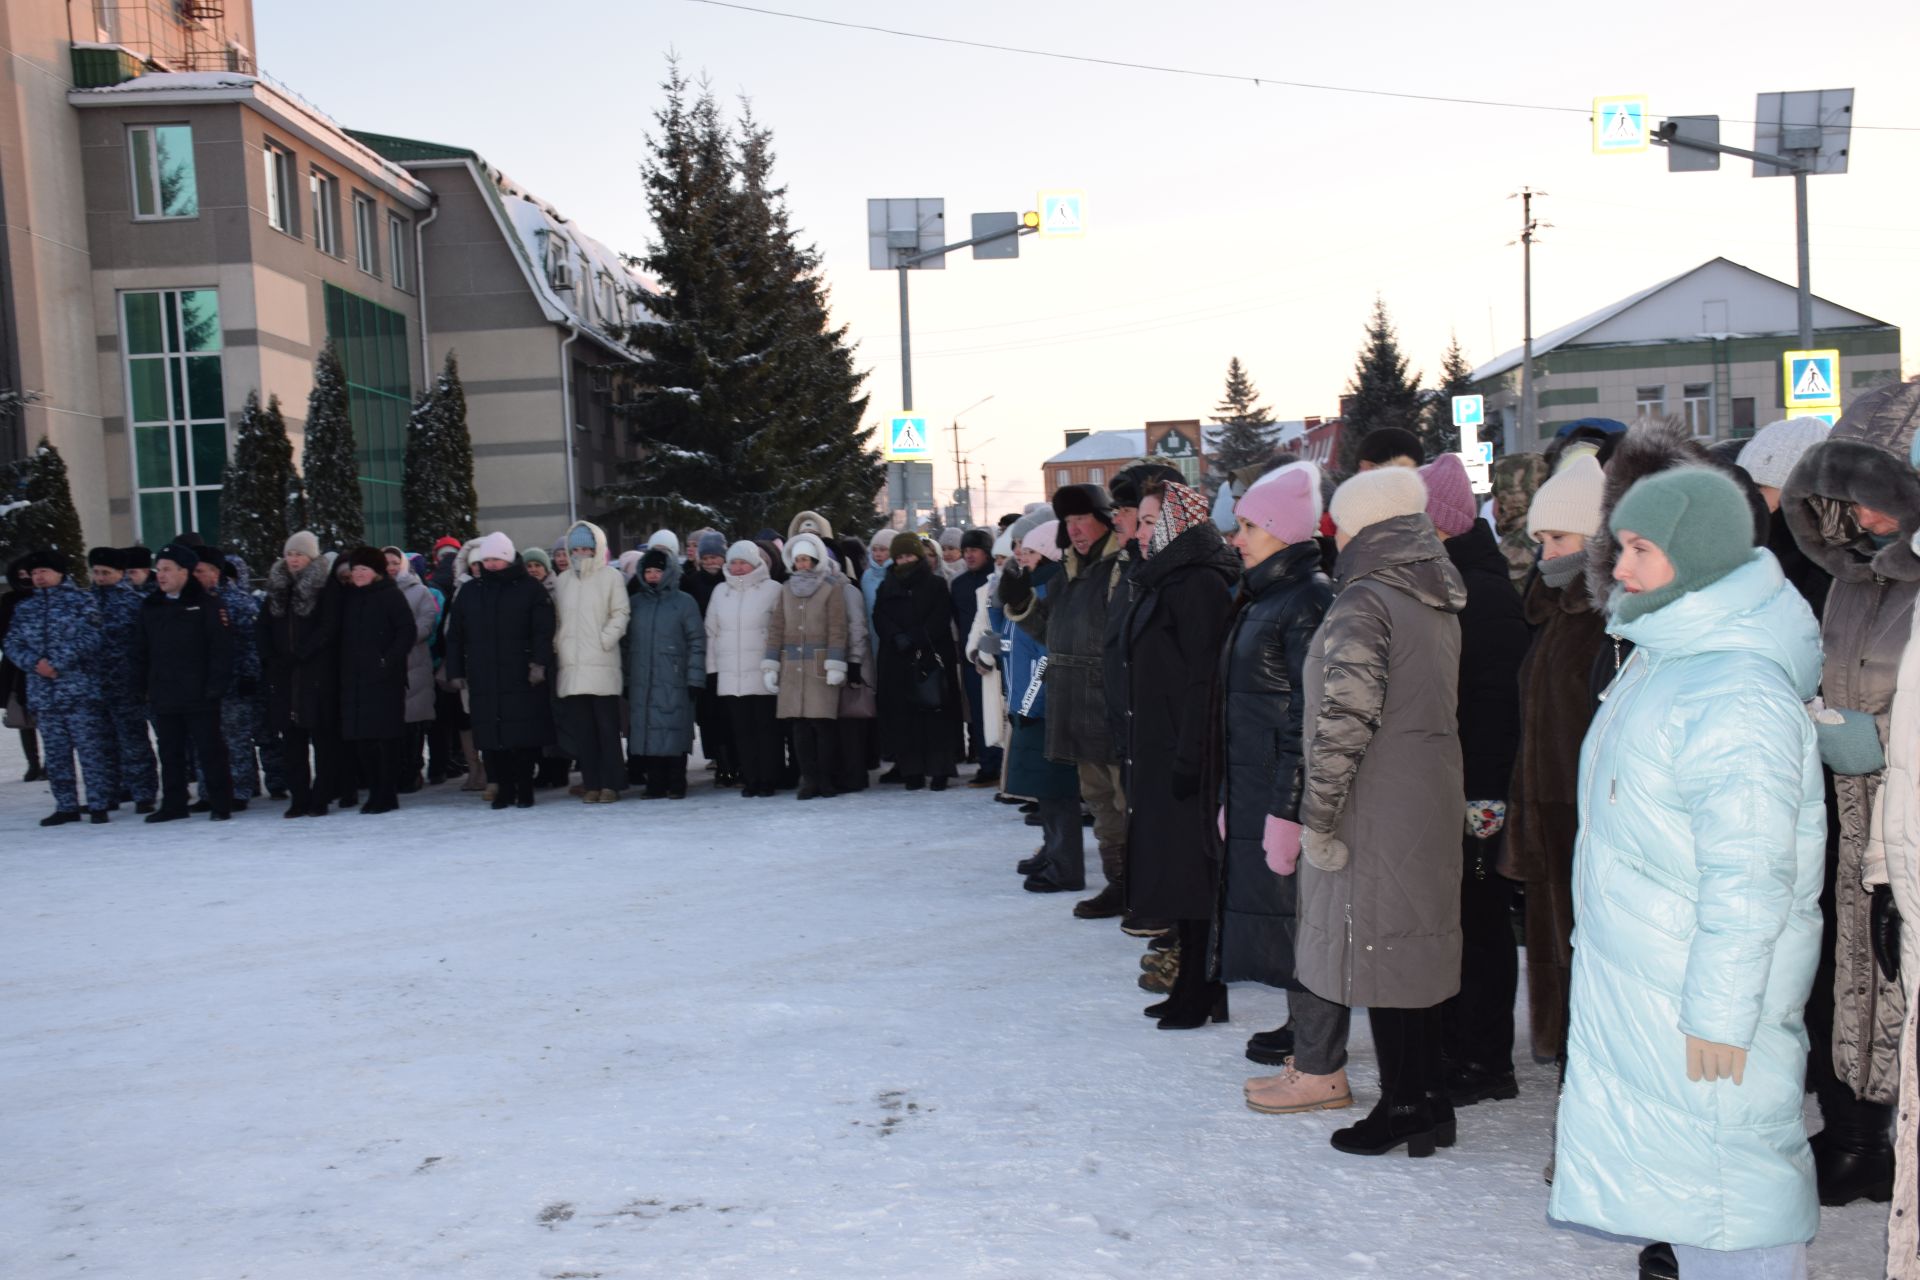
1654, 704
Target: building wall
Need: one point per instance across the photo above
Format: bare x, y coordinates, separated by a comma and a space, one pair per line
47, 251
271, 283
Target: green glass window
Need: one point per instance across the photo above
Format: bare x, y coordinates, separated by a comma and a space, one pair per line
373, 347
164, 182
176, 408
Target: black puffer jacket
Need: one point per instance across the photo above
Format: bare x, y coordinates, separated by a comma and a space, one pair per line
1282, 600
182, 651
502, 627
1493, 640
299, 635
1173, 632
376, 635
1071, 620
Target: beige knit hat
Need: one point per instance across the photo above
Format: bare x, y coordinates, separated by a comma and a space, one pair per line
1373, 496
1569, 502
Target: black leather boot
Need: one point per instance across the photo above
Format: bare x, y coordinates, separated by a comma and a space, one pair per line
1853, 1154
1388, 1126
1658, 1263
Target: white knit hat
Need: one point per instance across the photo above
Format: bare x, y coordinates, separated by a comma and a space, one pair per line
667, 542
744, 550
1373, 496
950, 538
805, 544
302, 543
495, 546
1569, 502
1003, 545
1769, 457
883, 541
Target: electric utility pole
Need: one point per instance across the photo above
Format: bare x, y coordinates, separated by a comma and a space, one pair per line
1529, 227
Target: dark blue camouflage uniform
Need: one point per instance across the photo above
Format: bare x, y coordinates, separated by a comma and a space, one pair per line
62, 625
236, 708
138, 780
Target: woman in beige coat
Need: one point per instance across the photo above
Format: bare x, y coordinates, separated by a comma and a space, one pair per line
591, 612
806, 660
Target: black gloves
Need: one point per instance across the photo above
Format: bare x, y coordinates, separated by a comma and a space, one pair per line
853, 673
1016, 590
1885, 933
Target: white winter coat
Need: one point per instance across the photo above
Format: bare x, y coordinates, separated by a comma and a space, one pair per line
737, 617
590, 617
993, 711
1893, 858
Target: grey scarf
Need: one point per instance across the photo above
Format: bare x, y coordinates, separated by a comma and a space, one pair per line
1561, 570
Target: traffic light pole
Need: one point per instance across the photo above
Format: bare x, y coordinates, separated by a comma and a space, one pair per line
1667, 136
912, 260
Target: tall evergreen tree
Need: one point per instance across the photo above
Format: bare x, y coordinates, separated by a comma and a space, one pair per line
1248, 436
746, 406
260, 492
1380, 394
332, 462
36, 507
1438, 434
437, 485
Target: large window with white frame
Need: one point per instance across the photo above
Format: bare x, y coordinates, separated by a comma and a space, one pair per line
326, 211
366, 233
282, 208
399, 251
176, 410
1650, 402
1697, 408
164, 182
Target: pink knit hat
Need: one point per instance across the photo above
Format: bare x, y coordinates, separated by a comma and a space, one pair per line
1045, 539
1286, 502
1450, 503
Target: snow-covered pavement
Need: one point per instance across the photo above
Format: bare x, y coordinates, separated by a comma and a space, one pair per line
709, 1038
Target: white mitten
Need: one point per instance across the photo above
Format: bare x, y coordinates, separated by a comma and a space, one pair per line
1323, 851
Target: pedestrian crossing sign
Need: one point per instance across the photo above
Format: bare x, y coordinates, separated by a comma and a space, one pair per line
1812, 379
907, 439
1063, 215
1620, 124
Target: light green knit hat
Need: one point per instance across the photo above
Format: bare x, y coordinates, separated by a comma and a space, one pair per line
1698, 518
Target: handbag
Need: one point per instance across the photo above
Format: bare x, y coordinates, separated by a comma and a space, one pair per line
857, 702
930, 684
17, 716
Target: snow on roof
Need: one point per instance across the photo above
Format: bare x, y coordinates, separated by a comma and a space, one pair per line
548, 237
1567, 332
296, 111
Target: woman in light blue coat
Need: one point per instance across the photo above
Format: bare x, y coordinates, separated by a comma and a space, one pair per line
1696, 886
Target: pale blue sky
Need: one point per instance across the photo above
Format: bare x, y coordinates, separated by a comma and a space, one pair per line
1224, 219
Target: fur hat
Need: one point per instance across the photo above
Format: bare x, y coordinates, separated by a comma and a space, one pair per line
1130, 483
1866, 461
905, 544
1044, 538
495, 546
744, 550
178, 553
1382, 445
1084, 500
105, 557
304, 543
1769, 457
1373, 496
712, 543
136, 557
980, 538
46, 558
811, 522
1286, 503
368, 558
805, 544
1698, 517
1569, 502
1450, 503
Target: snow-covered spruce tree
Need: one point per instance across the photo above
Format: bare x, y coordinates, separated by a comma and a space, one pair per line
1438, 435
747, 407
332, 464
437, 485
818, 452
1247, 439
38, 507
259, 478
1381, 394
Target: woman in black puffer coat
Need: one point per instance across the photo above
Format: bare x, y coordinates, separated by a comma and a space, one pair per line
299, 635
1181, 608
1282, 599
501, 644
376, 636
913, 636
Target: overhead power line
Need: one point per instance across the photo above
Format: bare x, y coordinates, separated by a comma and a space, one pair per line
1197, 73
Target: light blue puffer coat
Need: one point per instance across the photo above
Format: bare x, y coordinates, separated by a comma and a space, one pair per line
1696, 887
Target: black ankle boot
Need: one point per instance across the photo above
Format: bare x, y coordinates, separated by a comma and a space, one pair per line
1853, 1162
1191, 1012
1388, 1126
1658, 1263
1446, 1130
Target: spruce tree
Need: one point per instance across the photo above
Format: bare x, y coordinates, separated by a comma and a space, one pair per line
36, 507
747, 406
1438, 434
259, 492
1380, 394
1247, 439
332, 465
437, 484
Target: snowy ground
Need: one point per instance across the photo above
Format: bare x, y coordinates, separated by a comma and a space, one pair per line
711, 1038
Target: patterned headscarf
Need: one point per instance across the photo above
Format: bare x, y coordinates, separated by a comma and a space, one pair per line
1181, 508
